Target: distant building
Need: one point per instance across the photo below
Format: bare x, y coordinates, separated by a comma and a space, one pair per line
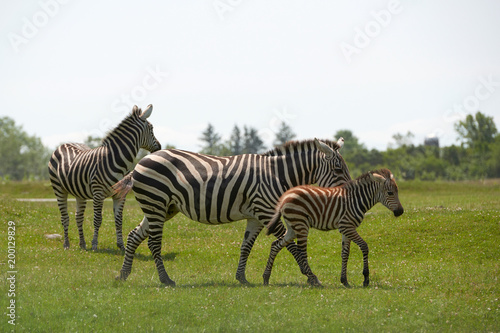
432, 141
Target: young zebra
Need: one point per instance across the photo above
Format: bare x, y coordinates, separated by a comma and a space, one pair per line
87, 173
216, 190
341, 207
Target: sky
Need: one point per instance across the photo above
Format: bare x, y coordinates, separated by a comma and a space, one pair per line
72, 68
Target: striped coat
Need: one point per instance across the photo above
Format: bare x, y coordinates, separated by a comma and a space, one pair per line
85, 173
216, 190
342, 208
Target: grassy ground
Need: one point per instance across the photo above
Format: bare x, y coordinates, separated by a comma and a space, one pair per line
433, 269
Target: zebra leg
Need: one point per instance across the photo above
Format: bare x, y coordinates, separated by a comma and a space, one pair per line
154, 244
134, 239
276, 247
62, 203
80, 210
302, 231
98, 203
356, 238
346, 245
118, 205
254, 227
291, 246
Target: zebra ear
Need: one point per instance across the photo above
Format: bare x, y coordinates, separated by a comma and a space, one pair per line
324, 148
145, 115
377, 177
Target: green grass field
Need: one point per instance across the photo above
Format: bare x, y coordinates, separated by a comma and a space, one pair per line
435, 269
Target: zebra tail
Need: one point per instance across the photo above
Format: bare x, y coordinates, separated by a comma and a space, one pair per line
124, 186
271, 226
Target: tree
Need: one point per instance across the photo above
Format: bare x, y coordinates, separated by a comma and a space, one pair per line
478, 134
284, 134
477, 131
23, 156
402, 139
211, 140
453, 154
252, 143
358, 158
236, 141
494, 161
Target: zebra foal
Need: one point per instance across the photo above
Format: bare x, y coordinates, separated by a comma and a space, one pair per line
341, 208
87, 173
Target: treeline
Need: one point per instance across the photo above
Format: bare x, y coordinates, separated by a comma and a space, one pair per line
21, 156
246, 141
476, 156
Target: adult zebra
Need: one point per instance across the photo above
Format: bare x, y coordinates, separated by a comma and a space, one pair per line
87, 173
341, 207
216, 190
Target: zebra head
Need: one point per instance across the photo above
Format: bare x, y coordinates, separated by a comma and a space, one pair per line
147, 139
332, 169
388, 190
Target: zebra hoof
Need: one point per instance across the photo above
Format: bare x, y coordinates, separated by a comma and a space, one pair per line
83, 246
266, 277
123, 276
242, 279
314, 281
346, 284
366, 283
168, 283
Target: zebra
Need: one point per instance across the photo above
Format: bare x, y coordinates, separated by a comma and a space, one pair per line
87, 173
215, 190
341, 208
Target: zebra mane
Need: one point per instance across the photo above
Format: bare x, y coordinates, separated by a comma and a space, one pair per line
304, 145
110, 133
384, 172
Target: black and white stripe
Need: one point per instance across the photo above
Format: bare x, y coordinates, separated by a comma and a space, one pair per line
87, 173
341, 208
216, 190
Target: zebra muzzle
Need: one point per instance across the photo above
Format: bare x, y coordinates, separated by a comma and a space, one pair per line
399, 211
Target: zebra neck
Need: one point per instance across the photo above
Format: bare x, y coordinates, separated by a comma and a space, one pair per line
292, 170
363, 195
122, 147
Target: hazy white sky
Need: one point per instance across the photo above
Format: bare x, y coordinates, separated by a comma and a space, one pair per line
73, 68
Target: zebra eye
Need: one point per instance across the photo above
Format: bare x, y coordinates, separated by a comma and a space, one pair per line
390, 193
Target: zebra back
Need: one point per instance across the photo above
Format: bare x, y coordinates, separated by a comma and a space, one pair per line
323, 208
213, 189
